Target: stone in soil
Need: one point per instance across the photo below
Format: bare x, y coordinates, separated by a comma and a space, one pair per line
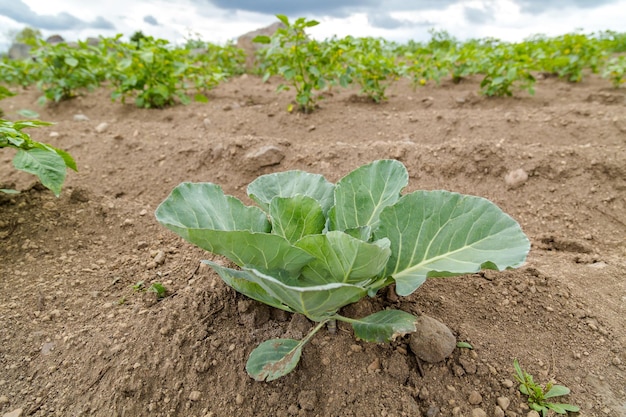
432, 342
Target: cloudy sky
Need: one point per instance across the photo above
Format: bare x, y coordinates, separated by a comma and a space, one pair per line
221, 20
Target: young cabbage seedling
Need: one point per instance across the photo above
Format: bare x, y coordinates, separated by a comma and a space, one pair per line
312, 247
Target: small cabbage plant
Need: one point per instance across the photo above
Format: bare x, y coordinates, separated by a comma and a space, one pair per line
312, 247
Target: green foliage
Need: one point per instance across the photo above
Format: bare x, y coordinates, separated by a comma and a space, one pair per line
158, 289
18, 72
373, 64
615, 70
538, 395
298, 59
46, 162
312, 247
504, 66
63, 70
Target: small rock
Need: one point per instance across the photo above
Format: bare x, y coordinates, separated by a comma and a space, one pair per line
311, 128
143, 212
432, 412
532, 413
503, 402
142, 245
478, 412
432, 342
159, 259
265, 156
475, 398
15, 413
374, 366
80, 118
102, 127
239, 399
293, 410
516, 178
307, 399
206, 122
4, 399
194, 395
498, 412
47, 348
507, 383
54, 134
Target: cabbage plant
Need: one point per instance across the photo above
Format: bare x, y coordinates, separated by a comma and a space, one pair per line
312, 247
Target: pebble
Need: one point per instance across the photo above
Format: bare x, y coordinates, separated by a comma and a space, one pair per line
15, 413
478, 412
507, 383
239, 399
498, 412
475, 398
206, 122
432, 342
54, 134
4, 399
515, 178
532, 413
265, 156
432, 412
503, 402
80, 118
374, 366
194, 395
101, 127
159, 259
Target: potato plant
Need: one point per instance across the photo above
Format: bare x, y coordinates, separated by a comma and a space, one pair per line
45, 161
298, 60
312, 247
62, 71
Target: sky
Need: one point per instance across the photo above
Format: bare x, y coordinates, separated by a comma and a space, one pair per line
219, 21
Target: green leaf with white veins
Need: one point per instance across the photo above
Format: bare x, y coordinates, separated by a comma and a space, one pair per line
203, 215
440, 233
295, 217
383, 326
343, 258
361, 195
289, 184
273, 359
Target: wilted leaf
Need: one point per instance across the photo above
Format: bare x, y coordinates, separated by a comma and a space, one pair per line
273, 359
384, 326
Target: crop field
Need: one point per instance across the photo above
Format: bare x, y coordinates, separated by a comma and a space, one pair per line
107, 311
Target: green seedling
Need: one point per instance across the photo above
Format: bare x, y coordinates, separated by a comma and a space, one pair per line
158, 289
538, 396
312, 246
139, 286
48, 163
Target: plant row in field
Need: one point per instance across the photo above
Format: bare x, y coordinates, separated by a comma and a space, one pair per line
157, 74
148, 70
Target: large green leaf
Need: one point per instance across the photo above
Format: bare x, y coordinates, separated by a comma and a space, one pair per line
383, 326
440, 233
273, 359
204, 216
295, 217
289, 184
361, 195
205, 206
317, 302
46, 164
241, 281
340, 257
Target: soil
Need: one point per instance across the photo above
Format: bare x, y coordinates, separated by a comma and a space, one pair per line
78, 339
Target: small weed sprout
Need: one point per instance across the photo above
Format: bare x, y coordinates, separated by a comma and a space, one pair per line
538, 396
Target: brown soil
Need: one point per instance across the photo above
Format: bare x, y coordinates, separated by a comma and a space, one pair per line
77, 339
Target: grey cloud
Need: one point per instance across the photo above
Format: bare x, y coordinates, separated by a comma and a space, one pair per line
478, 16
150, 20
386, 21
540, 6
20, 12
335, 8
